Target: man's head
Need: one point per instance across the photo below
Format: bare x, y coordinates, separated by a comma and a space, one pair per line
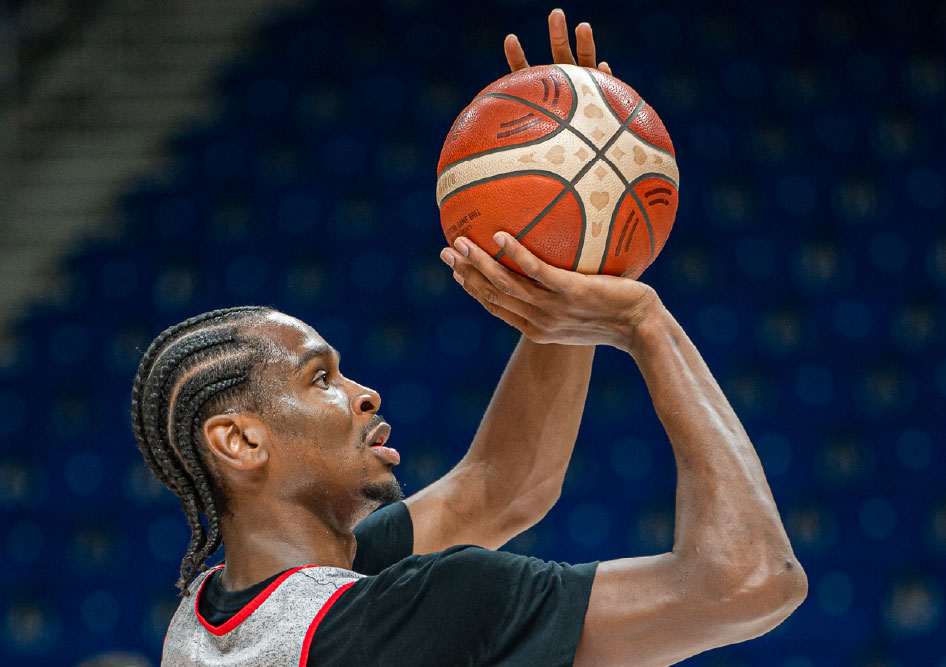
248, 403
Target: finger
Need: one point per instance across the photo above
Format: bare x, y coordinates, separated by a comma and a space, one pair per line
476, 260
481, 289
585, 45
515, 56
605, 67
558, 36
506, 315
551, 277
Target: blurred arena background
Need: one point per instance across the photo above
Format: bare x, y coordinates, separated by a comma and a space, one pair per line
162, 159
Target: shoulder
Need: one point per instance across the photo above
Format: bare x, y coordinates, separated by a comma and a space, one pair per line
450, 566
464, 601
429, 607
428, 585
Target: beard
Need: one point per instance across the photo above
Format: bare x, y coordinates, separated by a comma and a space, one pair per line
383, 492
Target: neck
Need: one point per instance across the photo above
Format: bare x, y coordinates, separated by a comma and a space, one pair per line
261, 540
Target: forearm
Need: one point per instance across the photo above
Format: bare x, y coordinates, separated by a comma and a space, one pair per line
524, 443
725, 515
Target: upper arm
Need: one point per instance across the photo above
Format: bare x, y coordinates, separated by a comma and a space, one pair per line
659, 610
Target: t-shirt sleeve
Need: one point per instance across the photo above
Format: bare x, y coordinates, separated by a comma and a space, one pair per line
384, 538
462, 606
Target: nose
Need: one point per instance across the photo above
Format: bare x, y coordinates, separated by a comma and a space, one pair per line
365, 400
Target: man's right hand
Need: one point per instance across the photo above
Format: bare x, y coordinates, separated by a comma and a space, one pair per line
556, 306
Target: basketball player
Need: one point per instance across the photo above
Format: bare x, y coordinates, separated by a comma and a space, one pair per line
245, 414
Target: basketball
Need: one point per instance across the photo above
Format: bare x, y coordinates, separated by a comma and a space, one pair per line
569, 160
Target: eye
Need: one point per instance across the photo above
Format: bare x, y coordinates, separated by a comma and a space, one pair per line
321, 378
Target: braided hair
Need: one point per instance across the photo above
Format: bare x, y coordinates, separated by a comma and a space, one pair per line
189, 372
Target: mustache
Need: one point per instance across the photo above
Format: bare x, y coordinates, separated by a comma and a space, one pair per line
370, 426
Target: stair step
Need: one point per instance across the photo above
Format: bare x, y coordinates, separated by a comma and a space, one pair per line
81, 170
51, 230
124, 113
40, 144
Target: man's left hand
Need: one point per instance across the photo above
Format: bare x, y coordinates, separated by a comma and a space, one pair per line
561, 49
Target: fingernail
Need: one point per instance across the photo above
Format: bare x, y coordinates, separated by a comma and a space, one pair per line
500, 239
447, 256
559, 11
458, 277
461, 245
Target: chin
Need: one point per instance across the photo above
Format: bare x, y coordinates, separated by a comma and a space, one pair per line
388, 491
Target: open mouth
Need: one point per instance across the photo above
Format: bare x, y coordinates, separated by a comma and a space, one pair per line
377, 440
379, 435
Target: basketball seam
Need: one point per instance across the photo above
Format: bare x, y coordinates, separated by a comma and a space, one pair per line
613, 111
627, 123
567, 188
565, 124
500, 149
599, 153
620, 132
508, 174
654, 146
640, 204
643, 211
568, 117
607, 242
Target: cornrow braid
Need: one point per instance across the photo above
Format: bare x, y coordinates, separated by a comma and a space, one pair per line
147, 361
191, 369
188, 426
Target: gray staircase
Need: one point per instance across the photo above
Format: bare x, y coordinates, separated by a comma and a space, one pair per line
95, 115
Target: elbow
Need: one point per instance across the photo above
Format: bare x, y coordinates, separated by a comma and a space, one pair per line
754, 600
795, 585
782, 590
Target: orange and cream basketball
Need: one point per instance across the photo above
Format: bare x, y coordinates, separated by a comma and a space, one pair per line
569, 160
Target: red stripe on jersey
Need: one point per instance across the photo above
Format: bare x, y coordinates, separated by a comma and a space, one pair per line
304, 658
252, 606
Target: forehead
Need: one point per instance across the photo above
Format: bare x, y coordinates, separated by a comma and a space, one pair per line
291, 334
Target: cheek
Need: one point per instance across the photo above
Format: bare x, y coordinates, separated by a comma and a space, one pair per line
323, 441
313, 413
335, 419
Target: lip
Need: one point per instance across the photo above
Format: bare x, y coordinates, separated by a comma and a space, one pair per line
386, 454
376, 439
379, 435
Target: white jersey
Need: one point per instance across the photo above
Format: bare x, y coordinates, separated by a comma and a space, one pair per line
275, 628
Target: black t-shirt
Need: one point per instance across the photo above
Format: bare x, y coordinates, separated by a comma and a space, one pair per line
461, 606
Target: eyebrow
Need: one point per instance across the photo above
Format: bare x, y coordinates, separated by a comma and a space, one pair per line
318, 351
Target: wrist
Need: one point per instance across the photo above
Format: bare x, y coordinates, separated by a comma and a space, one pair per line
556, 357
643, 324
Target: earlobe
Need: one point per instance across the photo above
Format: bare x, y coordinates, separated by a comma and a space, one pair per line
237, 441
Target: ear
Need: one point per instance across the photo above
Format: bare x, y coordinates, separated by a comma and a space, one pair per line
237, 441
